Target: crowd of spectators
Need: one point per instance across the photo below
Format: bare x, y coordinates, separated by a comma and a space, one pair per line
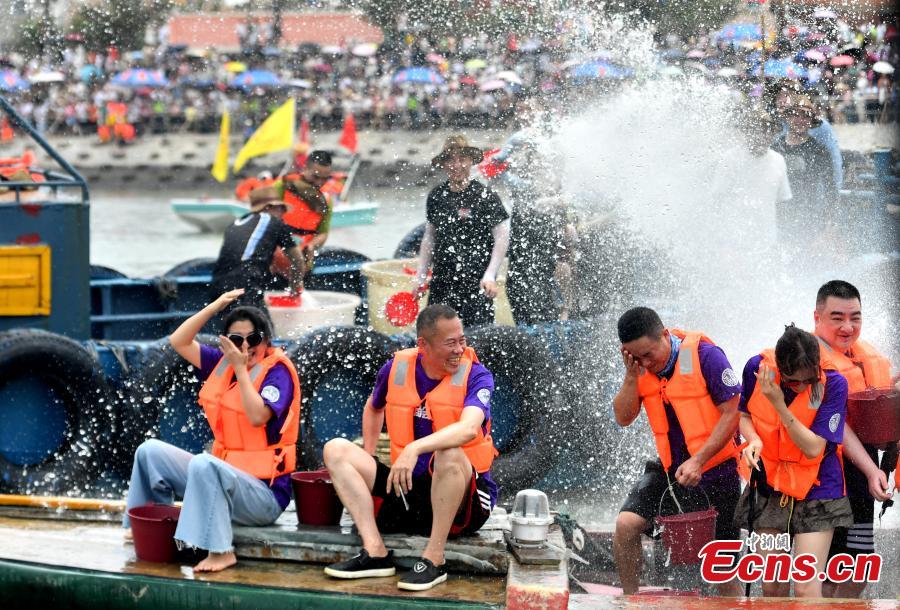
477, 80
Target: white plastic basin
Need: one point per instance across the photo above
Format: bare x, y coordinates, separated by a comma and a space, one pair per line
317, 308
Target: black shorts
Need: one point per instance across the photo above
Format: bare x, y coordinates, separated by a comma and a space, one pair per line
644, 499
392, 517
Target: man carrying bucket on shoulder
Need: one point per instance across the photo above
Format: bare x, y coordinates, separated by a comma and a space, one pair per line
792, 414
690, 392
436, 399
838, 324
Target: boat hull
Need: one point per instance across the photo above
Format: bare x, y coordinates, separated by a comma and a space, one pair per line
215, 215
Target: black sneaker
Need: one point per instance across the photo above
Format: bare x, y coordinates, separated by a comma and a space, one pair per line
363, 566
423, 576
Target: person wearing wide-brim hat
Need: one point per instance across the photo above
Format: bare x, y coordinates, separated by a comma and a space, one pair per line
249, 245
456, 146
466, 237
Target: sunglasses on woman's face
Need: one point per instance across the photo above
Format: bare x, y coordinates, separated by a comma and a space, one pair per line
253, 339
797, 383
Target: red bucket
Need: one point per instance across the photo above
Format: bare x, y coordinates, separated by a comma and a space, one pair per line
685, 534
315, 498
153, 527
874, 415
284, 300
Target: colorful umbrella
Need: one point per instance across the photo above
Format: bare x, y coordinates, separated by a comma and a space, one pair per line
740, 31
599, 69
10, 81
883, 67
824, 13
236, 67
89, 72
493, 85
814, 55
47, 77
140, 77
365, 49
784, 68
417, 74
435, 58
475, 64
256, 78
467, 80
510, 77
841, 60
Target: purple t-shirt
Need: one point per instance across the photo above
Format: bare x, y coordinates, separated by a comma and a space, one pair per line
277, 390
723, 385
828, 423
479, 389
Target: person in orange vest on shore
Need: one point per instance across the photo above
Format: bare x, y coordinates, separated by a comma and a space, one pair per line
690, 393
838, 324
251, 399
793, 410
436, 399
309, 211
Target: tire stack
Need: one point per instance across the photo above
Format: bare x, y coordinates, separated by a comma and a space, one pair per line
59, 422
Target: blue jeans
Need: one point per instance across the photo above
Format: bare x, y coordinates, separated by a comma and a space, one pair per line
215, 494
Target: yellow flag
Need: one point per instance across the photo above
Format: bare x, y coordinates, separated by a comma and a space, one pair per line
276, 133
220, 165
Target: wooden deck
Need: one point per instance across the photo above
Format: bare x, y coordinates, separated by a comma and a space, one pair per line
84, 552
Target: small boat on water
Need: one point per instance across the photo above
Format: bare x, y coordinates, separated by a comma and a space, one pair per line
215, 215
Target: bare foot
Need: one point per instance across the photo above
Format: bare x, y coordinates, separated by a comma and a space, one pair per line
216, 562
129, 536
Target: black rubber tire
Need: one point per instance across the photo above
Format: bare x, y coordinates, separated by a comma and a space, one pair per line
342, 281
192, 268
99, 272
330, 255
318, 355
409, 245
75, 376
161, 379
519, 359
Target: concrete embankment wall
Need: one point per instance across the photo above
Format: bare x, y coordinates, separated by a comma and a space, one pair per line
182, 161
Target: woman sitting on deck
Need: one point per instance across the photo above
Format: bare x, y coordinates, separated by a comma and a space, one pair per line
251, 398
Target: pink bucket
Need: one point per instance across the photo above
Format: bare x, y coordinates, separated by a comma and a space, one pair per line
685, 534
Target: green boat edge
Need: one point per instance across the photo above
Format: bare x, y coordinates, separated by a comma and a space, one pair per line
23, 583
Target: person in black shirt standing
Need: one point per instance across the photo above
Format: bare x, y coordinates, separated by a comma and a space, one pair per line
249, 245
466, 237
812, 217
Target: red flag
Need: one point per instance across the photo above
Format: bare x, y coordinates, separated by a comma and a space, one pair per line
348, 137
301, 150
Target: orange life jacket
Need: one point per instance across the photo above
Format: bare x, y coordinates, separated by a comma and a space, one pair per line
243, 188
236, 440
787, 469
301, 215
444, 405
864, 368
686, 391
